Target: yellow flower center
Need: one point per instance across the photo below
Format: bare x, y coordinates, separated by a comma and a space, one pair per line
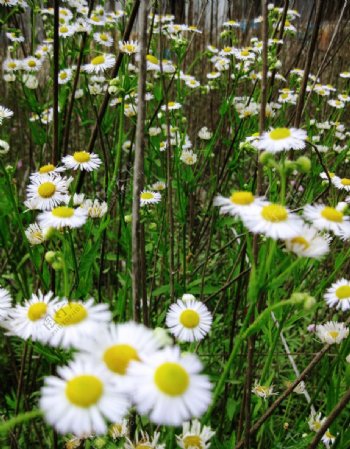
280, 133
192, 441
189, 318
84, 391
171, 104
171, 379
72, 313
274, 213
244, 53
103, 37
345, 181
46, 168
333, 334
81, 156
332, 214
32, 63
147, 196
242, 198
300, 241
63, 29
37, 311
227, 49
46, 189
12, 65
98, 60
343, 292
118, 357
152, 59
95, 19
284, 96
62, 212
63, 75
143, 446
129, 47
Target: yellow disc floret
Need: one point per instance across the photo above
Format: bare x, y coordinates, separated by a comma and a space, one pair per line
274, 213
147, 196
47, 189
332, 214
98, 60
118, 357
189, 318
192, 441
84, 391
71, 313
63, 212
82, 156
242, 198
37, 311
280, 133
343, 292
171, 379
46, 168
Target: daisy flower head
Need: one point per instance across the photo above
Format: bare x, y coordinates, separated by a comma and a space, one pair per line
63, 216
119, 429
75, 321
129, 47
64, 76
169, 387
328, 439
95, 209
194, 436
188, 157
100, 63
81, 398
273, 220
238, 203
82, 160
338, 295
328, 218
315, 421
5, 113
47, 191
103, 39
189, 320
11, 65
171, 106
144, 441
309, 243
31, 64
35, 234
47, 169
263, 391
5, 304
282, 139
341, 183
332, 332
66, 30
30, 319
149, 197
117, 345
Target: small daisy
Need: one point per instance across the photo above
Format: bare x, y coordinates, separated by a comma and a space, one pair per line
194, 436
238, 203
31, 64
188, 157
309, 243
280, 139
172, 106
338, 295
5, 113
66, 30
144, 441
5, 304
103, 39
129, 47
82, 398
82, 160
328, 439
169, 387
30, 319
11, 65
95, 209
63, 216
35, 234
205, 134
263, 391
149, 197
341, 183
158, 186
328, 218
100, 63
332, 332
274, 221
45, 170
336, 104
75, 321
189, 321
315, 421
117, 345
119, 429
64, 76
48, 191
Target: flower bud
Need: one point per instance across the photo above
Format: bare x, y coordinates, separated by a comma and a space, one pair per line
304, 164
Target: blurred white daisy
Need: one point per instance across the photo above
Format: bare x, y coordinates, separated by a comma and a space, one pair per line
35, 234
189, 320
309, 243
332, 332
47, 192
341, 183
149, 197
64, 76
328, 439
338, 295
95, 209
82, 160
171, 106
188, 157
99, 63
5, 113
103, 39
238, 203
81, 398
280, 139
194, 436
315, 421
119, 429
31, 64
5, 304
46, 169
63, 216
328, 218
169, 387
129, 47
66, 30
263, 391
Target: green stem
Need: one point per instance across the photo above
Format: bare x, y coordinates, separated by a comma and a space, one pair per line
19, 419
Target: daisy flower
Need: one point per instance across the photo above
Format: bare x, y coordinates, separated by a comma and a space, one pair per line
336, 104
35, 234
273, 220
189, 320
309, 243
338, 295
263, 391
205, 134
82, 160
47, 192
188, 157
11, 65
95, 209
100, 63
328, 218
30, 320
64, 76
328, 439
280, 139
172, 106
332, 332
63, 216
75, 321
117, 345
315, 421
31, 64
119, 429
194, 436
341, 183
103, 39
169, 387
238, 203
5, 304
129, 47
149, 197
158, 186
45, 170
66, 30
5, 113
81, 398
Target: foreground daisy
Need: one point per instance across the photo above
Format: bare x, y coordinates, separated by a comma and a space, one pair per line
81, 398
63, 216
328, 218
237, 204
309, 243
189, 320
82, 160
194, 437
5, 304
117, 345
338, 295
280, 139
169, 387
149, 197
47, 191
100, 63
332, 332
75, 321
273, 220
